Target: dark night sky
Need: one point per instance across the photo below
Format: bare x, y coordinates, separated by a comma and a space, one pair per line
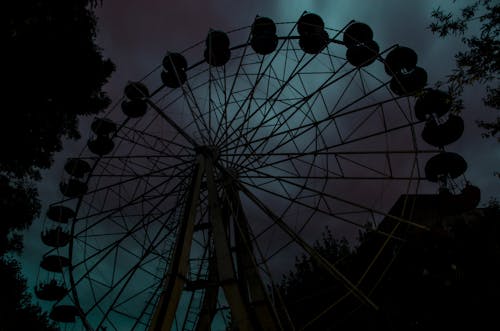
136, 38
136, 35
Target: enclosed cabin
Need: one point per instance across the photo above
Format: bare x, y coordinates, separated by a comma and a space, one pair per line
55, 233
264, 39
174, 74
407, 77
217, 52
56, 237
64, 313
54, 263
362, 50
52, 290
442, 127
101, 141
135, 104
52, 286
60, 214
455, 197
75, 185
313, 37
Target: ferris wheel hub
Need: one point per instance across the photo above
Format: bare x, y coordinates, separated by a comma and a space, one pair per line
208, 151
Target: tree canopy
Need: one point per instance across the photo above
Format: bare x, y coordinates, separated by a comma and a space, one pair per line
16, 310
478, 25
446, 278
53, 73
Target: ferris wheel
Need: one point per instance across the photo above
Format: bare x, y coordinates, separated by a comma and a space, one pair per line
195, 193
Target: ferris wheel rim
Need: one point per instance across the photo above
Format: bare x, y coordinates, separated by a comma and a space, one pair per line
193, 153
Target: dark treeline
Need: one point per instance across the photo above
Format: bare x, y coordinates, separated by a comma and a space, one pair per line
443, 279
53, 73
447, 278
478, 25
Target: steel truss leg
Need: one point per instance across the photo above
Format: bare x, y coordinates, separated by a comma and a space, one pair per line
164, 315
209, 305
255, 294
225, 267
251, 307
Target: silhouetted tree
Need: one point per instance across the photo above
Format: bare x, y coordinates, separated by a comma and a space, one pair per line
480, 62
16, 310
447, 278
18, 206
53, 72
309, 291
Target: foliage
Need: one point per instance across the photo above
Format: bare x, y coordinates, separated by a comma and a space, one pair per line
446, 278
308, 290
53, 73
18, 206
480, 62
16, 310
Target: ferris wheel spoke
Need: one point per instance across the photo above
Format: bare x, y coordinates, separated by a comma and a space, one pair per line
176, 169
227, 97
197, 113
326, 152
149, 143
127, 277
135, 201
248, 98
109, 213
141, 167
297, 105
359, 206
172, 123
139, 228
305, 128
246, 118
329, 173
246, 104
217, 87
330, 80
330, 148
114, 284
214, 93
116, 197
322, 172
308, 114
166, 144
109, 248
232, 100
249, 142
273, 97
309, 249
321, 207
280, 121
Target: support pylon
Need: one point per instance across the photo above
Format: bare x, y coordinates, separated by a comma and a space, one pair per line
233, 270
